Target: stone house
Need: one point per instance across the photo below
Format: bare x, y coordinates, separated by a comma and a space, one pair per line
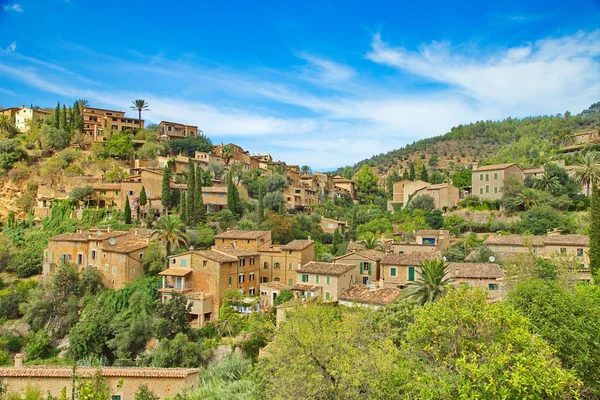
331, 225
250, 240
98, 122
124, 382
367, 262
269, 292
280, 263
486, 276
175, 130
488, 180
369, 296
398, 270
332, 279
444, 195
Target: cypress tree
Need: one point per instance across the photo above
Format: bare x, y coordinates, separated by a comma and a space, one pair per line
71, 118
165, 194
143, 199
57, 116
199, 207
261, 206
239, 211
424, 175
405, 174
191, 193
63, 119
183, 206
127, 212
77, 118
230, 196
595, 234
411, 173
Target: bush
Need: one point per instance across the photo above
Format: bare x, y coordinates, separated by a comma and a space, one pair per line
422, 202
38, 345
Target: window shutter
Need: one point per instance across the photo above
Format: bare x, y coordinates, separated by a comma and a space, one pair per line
369, 264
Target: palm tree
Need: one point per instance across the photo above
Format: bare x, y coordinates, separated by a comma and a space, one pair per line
588, 169
528, 197
82, 103
305, 169
140, 105
432, 282
7, 127
371, 241
227, 154
170, 230
547, 183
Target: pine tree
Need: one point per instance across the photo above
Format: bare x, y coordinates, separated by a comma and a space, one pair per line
411, 175
261, 206
57, 116
199, 206
424, 175
595, 233
63, 119
166, 189
183, 207
127, 212
191, 202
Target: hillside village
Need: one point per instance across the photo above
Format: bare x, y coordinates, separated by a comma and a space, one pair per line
144, 251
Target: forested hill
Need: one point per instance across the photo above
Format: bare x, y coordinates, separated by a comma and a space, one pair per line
528, 141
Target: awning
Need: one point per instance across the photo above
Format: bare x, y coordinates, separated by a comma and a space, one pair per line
175, 272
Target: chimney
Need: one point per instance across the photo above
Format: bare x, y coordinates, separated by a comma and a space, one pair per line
553, 232
135, 232
108, 230
308, 237
18, 360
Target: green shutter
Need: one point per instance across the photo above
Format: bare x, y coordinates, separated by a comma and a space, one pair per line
327, 296
411, 273
361, 267
316, 278
328, 280
304, 278
369, 264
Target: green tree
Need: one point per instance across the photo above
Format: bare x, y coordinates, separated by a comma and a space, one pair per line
370, 241
167, 202
595, 233
233, 198
191, 184
143, 200
348, 172
140, 105
144, 393
226, 154
63, 119
10, 152
199, 207
189, 145
119, 145
170, 231
38, 345
424, 175
422, 202
366, 184
547, 183
281, 227
172, 317
261, 205
7, 127
56, 116
588, 169
127, 212
462, 178
55, 138
305, 170
432, 282
77, 122
411, 172
153, 261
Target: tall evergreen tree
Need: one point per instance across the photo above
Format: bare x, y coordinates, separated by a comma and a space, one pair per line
191, 193
230, 196
183, 206
143, 198
166, 188
57, 116
127, 212
595, 233
405, 174
411, 174
71, 119
78, 117
63, 119
261, 206
199, 207
424, 175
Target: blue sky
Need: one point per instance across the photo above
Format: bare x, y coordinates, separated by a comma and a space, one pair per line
322, 83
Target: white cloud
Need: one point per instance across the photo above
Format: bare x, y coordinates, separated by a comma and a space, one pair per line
11, 47
13, 7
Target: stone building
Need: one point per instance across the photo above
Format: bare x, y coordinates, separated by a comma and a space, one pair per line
329, 280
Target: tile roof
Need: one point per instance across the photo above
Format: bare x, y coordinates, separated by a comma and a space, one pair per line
66, 372
372, 254
126, 247
89, 235
435, 232
297, 244
493, 167
106, 186
411, 259
475, 270
175, 272
519, 240
71, 237
325, 268
235, 234
215, 255
363, 294
214, 189
275, 285
572, 240
235, 251
306, 288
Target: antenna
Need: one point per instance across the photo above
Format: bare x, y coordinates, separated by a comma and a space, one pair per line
112, 241
492, 259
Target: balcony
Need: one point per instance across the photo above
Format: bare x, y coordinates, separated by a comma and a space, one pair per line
174, 280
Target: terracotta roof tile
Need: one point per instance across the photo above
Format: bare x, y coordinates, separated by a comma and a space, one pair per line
235, 234
175, 272
66, 372
235, 251
306, 288
493, 167
126, 247
297, 245
275, 285
517, 240
412, 259
325, 268
215, 255
568, 240
363, 294
372, 254
475, 270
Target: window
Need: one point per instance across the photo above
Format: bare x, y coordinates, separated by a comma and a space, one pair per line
487, 189
495, 190
480, 177
173, 261
241, 278
480, 190
304, 278
106, 267
487, 177
266, 265
141, 255
563, 250
131, 193
392, 271
411, 273
316, 278
513, 249
328, 280
114, 270
79, 259
493, 286
183, 262
308, 295
251, 276
229, 281
242, 262
289, 266
115, 397
132, 271
251, 260
290, 282
116, 192
579, 252
327, 296
251, 291
204, 263
277, 265
495, 175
